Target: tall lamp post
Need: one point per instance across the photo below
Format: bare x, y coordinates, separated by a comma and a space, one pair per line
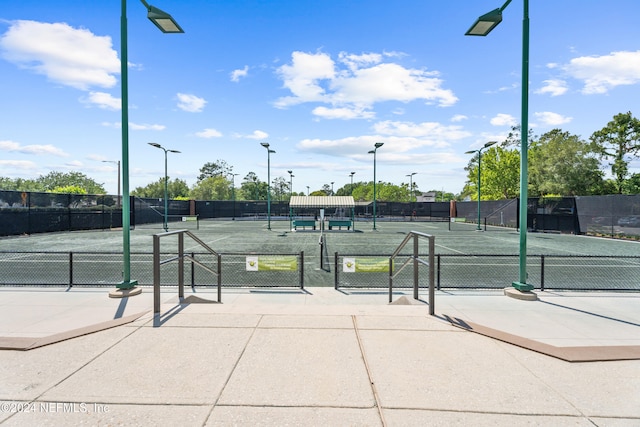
377, 145
266, 145
118, 163
479, 151
233, 192
351, 188
166, 24
332, 182
291, 175
411, 192
166, 183
307, 191
482, 27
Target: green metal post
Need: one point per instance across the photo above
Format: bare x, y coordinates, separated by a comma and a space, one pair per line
479, 195
126, 283
374, 189
522, 285
166, 194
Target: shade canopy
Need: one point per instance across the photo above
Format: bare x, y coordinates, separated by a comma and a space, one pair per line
321, 202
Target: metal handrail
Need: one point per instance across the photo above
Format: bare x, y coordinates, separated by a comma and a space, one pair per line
180, 258
415, 236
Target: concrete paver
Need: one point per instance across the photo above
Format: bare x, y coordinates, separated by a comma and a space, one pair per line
316, 357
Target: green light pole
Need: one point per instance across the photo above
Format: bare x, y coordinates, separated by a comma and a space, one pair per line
479, 151
166, 24
351, 188
291, 175
377, 145
482, 27
266, 145
166, 183
411, 192
233, 192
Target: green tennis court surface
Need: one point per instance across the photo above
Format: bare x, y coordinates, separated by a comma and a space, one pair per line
467, 258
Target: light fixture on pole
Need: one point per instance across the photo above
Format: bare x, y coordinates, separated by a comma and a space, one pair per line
482, 27
118, 163
307, 191
291, 175
266, 145
166, 24
479, 151
411, 192
351, 188
166, 183
332, 182
377, 145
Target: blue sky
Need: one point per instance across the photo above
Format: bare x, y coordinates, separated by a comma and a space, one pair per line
321, 81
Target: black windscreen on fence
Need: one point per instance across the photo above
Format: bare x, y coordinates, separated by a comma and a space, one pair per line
32, 212
614, 215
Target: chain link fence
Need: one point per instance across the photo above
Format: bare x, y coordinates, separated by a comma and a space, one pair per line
455, 271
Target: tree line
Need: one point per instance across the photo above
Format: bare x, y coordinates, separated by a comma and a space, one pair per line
560, 164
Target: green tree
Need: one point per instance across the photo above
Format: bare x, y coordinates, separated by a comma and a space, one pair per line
176, 188
69, 189
69, 179
280, 189
561, 163
211, 169
618, 141
632, 185
499, 176
19, 184
212, 188
252, 188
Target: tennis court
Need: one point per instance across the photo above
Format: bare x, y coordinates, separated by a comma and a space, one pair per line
466, 258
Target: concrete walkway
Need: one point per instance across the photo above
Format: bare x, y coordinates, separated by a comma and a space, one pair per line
318, 357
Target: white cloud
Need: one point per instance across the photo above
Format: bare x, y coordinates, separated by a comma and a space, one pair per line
344, 113
356, 83
553, 87
459, 118
431, 131
190, 103
603, 73
552, 119
237, 74
17, 165
38, 150
398, 137
257, 134
303, 75
103, 100
135, 126
503, 120
209, 133
65, 55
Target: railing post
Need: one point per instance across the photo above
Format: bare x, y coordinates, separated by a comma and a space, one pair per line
70, 269
219, 278
181, 265
415, 266
193, 270
439, 259
542, 272
432, 293
301, 269
156, 274
335, 271
390, 279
